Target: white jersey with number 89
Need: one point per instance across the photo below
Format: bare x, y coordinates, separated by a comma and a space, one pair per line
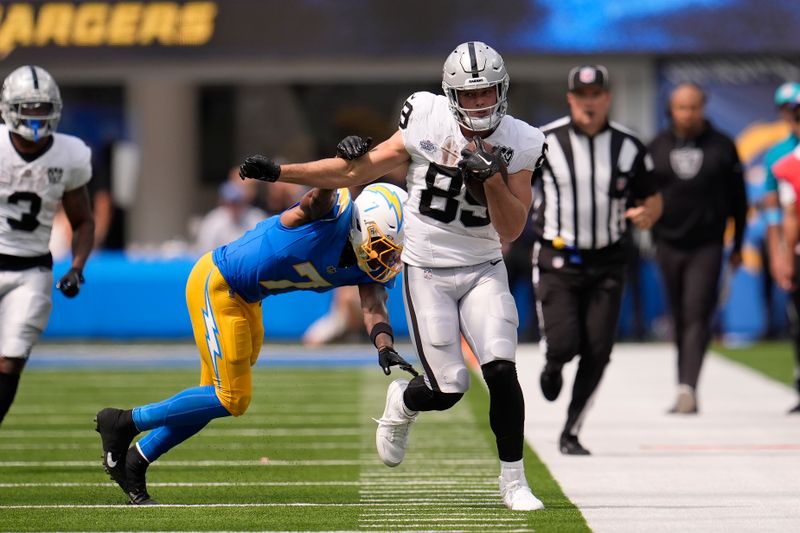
446, 228
30, 192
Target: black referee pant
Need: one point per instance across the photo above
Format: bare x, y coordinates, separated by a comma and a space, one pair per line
691, 279
579, 298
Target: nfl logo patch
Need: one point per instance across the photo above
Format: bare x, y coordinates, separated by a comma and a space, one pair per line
54, 174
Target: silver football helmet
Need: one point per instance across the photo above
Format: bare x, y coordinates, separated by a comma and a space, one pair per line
30, 102
377, 230
475, 65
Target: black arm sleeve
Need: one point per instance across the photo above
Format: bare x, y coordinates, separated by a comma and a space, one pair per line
644, 182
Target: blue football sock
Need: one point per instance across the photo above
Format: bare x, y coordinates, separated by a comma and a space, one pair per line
161, 440
190, 407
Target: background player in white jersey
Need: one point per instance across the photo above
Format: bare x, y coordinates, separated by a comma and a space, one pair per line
38, 169
455, 280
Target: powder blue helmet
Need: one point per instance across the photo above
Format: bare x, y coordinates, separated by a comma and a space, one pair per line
377, 230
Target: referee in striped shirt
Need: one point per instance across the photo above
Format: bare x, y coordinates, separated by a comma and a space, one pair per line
596, 178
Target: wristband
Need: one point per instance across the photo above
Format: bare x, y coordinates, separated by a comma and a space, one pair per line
773, 216
377, 329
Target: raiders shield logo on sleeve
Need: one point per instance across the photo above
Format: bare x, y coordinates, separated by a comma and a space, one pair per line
686, 162
507, 154
54, 174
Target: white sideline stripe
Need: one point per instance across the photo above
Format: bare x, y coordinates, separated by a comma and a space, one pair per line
322, 462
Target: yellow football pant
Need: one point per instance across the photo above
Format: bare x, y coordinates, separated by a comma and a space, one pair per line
228, 332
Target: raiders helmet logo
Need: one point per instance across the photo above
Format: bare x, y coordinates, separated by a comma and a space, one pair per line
686, 162
54, 174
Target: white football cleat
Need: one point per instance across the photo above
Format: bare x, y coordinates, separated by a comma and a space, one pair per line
391, 438
517, 495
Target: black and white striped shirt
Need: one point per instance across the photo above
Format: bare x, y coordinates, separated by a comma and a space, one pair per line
587, 182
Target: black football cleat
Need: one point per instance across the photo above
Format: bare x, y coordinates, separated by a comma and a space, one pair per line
140, 497
116, 430
135, 473
794, 410
551, 382
569, 445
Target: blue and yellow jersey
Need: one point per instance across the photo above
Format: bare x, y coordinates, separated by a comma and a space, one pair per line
272, 259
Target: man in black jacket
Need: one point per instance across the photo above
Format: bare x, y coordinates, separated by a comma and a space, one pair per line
701, 180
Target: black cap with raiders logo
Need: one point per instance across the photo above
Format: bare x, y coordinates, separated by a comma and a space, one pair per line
587, 75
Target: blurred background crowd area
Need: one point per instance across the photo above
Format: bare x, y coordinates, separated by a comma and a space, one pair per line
171, 96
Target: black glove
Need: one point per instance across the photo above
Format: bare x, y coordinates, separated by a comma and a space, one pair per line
70, 283
388, 357
480, 164
353, 147
259, 167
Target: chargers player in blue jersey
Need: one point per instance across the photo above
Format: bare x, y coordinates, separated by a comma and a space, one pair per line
327, 240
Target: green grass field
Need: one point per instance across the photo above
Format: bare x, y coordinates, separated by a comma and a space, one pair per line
301, 459
773, 359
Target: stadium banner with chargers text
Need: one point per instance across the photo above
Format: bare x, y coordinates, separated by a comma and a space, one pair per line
118, 31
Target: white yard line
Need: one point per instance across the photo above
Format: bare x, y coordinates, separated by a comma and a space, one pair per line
265, 462
425, 494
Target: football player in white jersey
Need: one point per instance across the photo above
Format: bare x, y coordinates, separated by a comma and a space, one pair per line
455, 280
38, 169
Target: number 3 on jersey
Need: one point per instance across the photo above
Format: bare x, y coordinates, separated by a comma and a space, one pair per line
28, 221
468, 209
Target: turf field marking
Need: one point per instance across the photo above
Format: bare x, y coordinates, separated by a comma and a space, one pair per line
177, 505
393, 484
421, 520
200, 446
437, 505
429, 491
321, 462
194, 484
75, 419
244, 432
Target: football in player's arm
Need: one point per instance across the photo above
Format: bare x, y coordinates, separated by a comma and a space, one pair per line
40, 169
454, 276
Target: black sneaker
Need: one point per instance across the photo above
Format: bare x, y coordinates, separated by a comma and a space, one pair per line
135, 473
551, 381
794, 410
569, 445
116, 430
